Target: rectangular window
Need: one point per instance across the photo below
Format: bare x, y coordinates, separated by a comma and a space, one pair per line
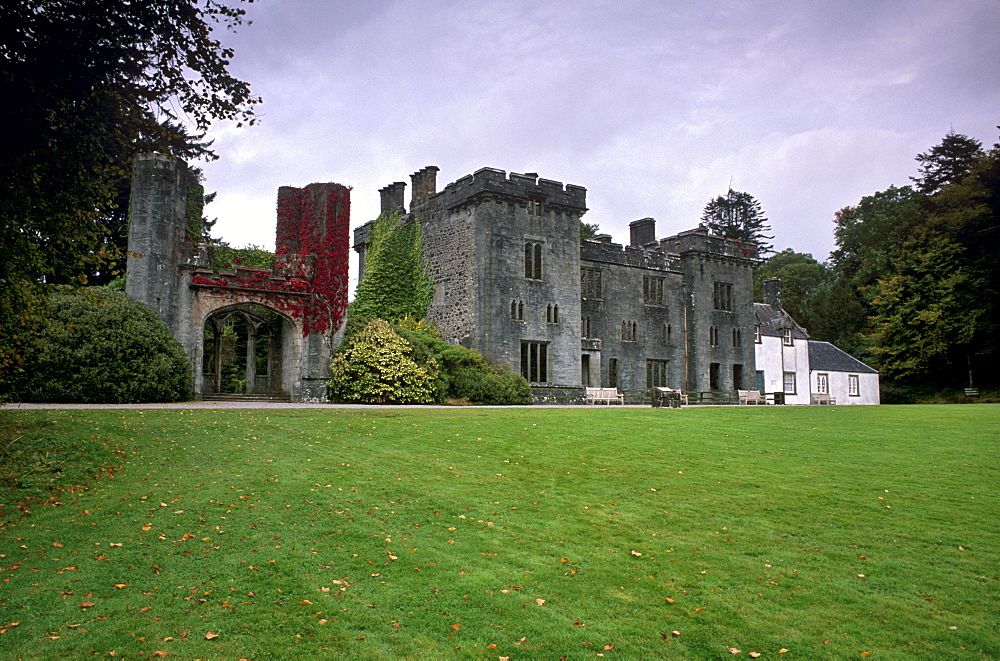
612, 372
722, 296
853, 385
737, 338
552, 314
756, 334
656, 373
789, 383
629, 330
822, 384
652, 290
590, 283
533, 260
786, 337
535, 361
713, 336
713, 376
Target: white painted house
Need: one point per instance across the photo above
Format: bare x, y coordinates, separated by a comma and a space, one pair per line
840, 377
797, 370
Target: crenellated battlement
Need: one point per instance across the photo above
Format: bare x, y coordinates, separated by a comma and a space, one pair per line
699, 240
605, 252
518, 186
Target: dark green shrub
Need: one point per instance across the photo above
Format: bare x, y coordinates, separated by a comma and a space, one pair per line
464, 373
100, 346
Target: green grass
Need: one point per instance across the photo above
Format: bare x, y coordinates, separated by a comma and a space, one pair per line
823, 531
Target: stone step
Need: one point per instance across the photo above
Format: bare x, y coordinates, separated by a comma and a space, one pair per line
240, 397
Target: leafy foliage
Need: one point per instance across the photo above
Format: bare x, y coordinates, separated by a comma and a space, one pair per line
912, 285
395, 283
801, 278
464, 374
97, 345
588, 230
738, 215
95, 82
376, 367
224, 257
947, 162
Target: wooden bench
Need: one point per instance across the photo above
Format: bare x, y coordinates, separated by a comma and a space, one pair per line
751, 397
606, 395
665, 393
821, 399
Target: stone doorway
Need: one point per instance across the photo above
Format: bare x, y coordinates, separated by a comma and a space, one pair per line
242, 351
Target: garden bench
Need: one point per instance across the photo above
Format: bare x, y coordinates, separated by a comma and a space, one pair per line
821, 398
606, 395
751, 397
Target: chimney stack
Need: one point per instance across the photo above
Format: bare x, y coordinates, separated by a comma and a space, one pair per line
642, 232
424, 185
392, 197
772, 292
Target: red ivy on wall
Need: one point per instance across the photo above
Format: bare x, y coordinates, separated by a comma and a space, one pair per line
309, 279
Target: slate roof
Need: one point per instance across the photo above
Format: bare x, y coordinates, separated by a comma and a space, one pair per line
824, 356
772, 321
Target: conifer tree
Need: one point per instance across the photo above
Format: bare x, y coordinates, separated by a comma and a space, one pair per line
947, 162
737, 215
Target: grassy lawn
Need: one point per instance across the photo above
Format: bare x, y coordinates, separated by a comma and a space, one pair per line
524, 533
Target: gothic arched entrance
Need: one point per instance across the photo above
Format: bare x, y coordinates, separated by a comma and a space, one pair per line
242, 351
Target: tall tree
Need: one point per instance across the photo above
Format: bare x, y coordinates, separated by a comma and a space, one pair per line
86, 82
738, 215
801, 277
947, 162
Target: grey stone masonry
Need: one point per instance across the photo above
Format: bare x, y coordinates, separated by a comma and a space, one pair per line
514, 281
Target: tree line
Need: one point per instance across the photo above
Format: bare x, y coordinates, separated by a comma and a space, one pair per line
911, 287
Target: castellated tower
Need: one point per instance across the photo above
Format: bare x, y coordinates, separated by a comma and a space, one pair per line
156, 235
514, 281
504, 253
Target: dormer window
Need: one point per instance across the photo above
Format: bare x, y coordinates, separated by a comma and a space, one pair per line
786, 337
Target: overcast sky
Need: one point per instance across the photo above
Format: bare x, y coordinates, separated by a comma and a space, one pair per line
654, 107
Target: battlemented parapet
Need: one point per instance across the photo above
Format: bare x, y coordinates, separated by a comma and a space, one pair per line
521, 186
606, 252
699, 240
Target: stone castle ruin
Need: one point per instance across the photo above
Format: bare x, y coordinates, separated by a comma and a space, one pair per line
251, 332
512, 277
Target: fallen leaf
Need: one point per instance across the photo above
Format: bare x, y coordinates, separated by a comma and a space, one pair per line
58, 545
754, 655
578, 623
866, 654
675, 633
159, 654
782, 650
663, 635
456, 626
119, 585
733, 650
491, 646
608, 646
670, 601
211, 635
960, 548
87, 604
306, 602
636, 554
539, 601
147, 527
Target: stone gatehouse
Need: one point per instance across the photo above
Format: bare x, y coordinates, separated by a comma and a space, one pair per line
514, 281
246, 331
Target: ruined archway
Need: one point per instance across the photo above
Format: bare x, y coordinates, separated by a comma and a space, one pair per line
242, 351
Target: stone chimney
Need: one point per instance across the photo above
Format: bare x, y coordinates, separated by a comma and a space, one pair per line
642, 232
424, 185
772, 292
392, 197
